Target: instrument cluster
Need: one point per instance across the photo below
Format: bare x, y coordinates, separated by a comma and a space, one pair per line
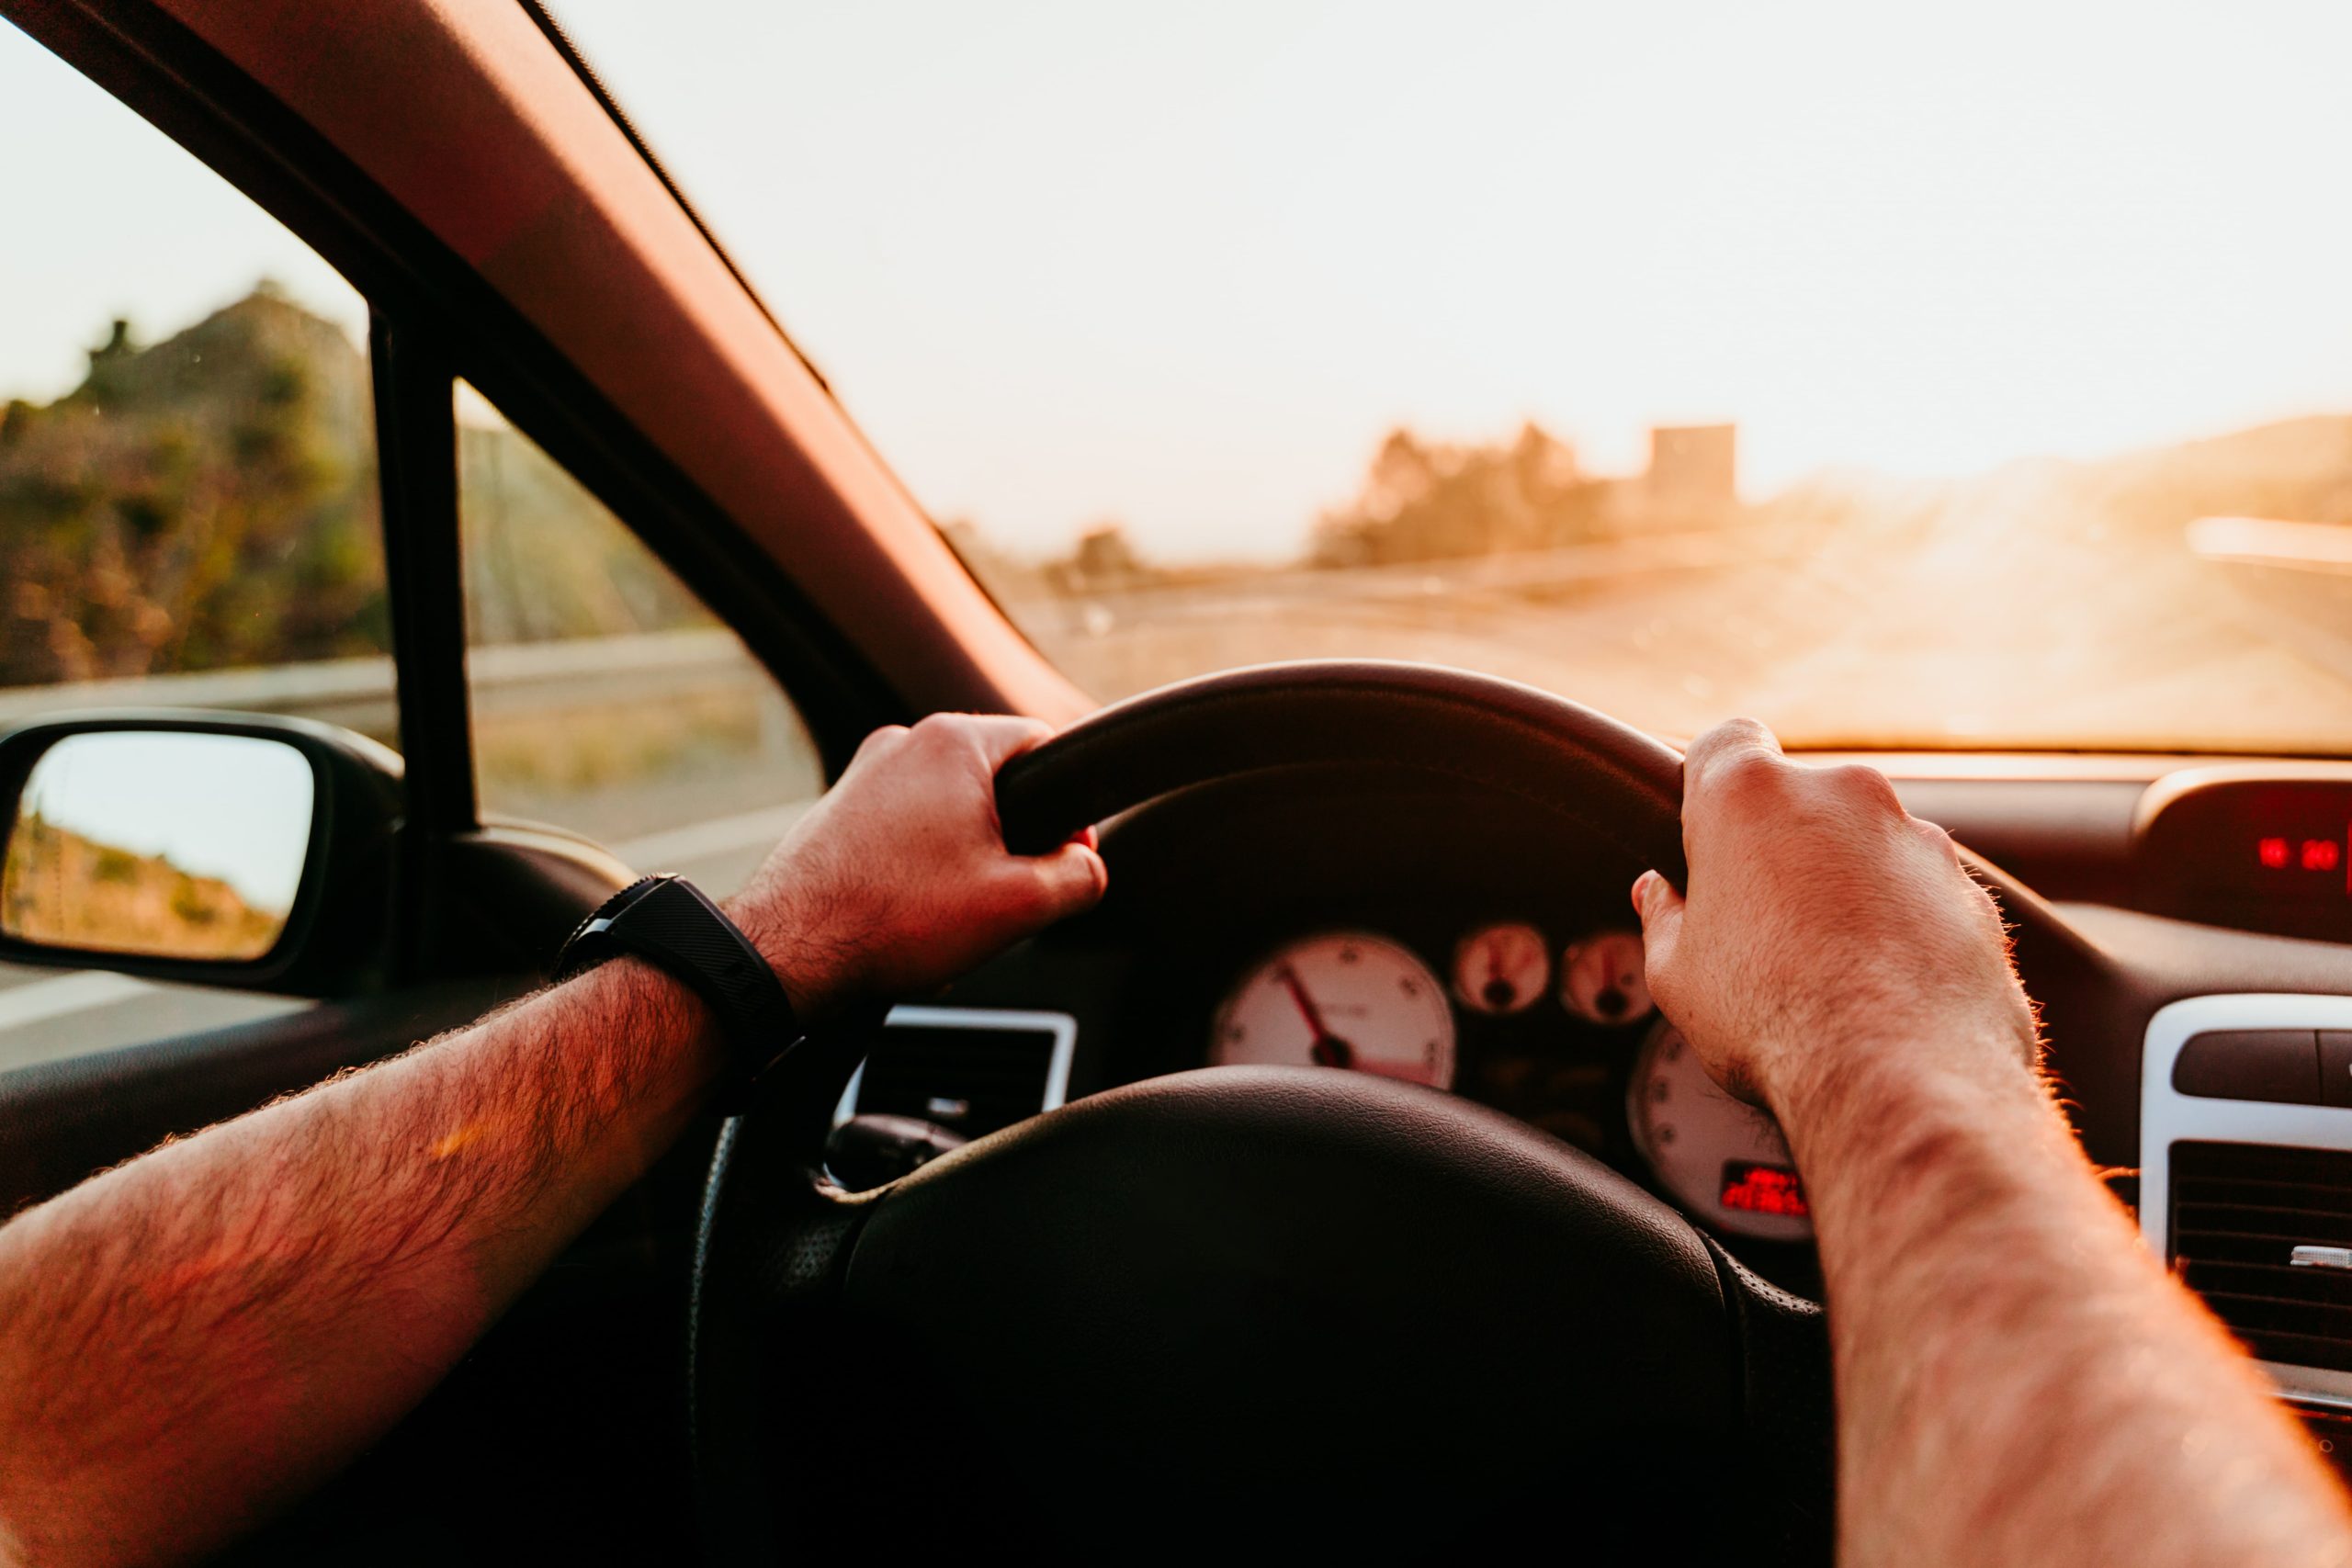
1556, 1029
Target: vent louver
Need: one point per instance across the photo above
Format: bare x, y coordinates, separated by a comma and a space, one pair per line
974, 1081
2239, 1211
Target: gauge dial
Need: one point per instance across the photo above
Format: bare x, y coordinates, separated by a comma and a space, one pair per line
1724, 1161
1341, 999
1602, 980
1501, 968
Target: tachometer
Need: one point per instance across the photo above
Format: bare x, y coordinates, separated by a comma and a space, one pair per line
1725, 1161
1341, 999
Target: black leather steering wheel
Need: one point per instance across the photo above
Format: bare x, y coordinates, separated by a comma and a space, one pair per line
1252, 1309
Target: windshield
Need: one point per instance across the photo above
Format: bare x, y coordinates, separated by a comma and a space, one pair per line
1982, 378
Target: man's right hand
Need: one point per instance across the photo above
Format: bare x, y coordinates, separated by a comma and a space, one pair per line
899, 880
1824, 926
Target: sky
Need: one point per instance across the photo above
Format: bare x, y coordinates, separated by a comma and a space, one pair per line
101, 216
227, 805
1182, 266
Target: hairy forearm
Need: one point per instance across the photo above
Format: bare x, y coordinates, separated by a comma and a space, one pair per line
2018, 1380
192, 1339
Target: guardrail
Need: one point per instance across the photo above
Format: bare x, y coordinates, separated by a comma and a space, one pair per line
2290, 583
519, 678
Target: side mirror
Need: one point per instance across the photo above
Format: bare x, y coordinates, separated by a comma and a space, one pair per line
214, 849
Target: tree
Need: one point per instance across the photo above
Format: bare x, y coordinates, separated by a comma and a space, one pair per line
1424, 501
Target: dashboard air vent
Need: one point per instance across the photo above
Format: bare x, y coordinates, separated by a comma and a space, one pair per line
2264, 1235
970, 1070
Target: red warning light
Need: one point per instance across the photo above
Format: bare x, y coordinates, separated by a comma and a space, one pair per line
1762, 1190
2273, 852
2320, 854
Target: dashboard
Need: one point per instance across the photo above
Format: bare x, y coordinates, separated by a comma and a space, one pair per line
1553, 1026
2186, 928
1487, 948
1413, 929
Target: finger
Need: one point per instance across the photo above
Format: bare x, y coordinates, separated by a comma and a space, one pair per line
1933, 834
1725, 767
878, 739
1733, 744
1001, 737
1071, 880
1660, 909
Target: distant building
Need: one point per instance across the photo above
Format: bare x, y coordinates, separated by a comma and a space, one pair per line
1694, 470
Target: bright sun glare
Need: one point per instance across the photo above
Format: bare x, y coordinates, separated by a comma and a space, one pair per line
1181, 268
1215, 335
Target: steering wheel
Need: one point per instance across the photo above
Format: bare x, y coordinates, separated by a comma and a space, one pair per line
1252, 1309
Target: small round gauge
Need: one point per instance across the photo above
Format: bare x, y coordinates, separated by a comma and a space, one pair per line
1602, 980
1341, 999
1724, 1161
1501, 968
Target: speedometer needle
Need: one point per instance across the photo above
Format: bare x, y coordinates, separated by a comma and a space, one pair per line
1327, 1049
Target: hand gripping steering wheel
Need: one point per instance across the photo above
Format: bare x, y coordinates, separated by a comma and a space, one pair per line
1252, 1310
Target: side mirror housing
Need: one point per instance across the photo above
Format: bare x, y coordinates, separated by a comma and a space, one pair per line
244, 851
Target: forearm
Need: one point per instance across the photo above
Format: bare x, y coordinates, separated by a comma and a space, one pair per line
2017, 1380
192, 1339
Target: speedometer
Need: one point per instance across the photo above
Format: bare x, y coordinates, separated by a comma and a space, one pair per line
1722, 1160
1341, 999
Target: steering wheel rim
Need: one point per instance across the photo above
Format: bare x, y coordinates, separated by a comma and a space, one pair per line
1624, 786
781, 1254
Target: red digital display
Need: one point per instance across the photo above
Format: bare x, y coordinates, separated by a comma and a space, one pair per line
1762, 1190
2280, 851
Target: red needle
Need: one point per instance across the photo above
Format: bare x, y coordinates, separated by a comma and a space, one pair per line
1327, 1050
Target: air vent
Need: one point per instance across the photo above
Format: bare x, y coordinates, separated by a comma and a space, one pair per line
2240, 1214
973, 1069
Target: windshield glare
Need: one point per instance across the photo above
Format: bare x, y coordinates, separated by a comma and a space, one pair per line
1978, 377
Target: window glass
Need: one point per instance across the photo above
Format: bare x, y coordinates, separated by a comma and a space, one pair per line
187, 476
606, 698
1897, 379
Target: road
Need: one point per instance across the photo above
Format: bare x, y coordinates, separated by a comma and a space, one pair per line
1998, 623
2003, 624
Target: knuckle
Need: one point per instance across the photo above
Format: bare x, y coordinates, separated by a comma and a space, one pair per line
1747, 775
1862, 785
1936, 837
1745, 731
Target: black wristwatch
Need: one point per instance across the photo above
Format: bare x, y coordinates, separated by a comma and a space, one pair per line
669, 922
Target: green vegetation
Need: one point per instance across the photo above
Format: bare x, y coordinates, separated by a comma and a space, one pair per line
210, 503
544, 559
206, 503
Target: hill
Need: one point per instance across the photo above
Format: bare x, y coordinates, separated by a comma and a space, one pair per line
207, 501
210, 503
66, 890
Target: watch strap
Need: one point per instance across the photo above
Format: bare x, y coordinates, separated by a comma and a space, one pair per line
673, 925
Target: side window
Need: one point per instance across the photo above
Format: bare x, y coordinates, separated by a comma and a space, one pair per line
606, 698
188, 477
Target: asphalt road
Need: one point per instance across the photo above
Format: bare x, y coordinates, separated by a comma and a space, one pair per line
2001, 627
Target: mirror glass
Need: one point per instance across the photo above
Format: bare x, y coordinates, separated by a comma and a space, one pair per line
163, 844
